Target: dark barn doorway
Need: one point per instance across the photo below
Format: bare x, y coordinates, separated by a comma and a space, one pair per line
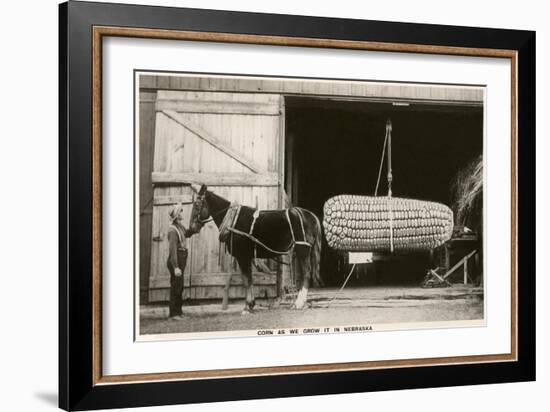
334, 147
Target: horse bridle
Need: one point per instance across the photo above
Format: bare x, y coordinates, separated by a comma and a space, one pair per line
200, 201
198, 205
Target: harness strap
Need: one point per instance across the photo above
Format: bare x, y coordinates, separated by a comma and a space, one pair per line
301, 219
290, 226
178, 233
254, 217
229, 220
236, 216
231, 228
259, 242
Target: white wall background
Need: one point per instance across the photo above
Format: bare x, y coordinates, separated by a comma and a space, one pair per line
28, 177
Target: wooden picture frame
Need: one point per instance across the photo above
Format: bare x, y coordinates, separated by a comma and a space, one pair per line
83, 26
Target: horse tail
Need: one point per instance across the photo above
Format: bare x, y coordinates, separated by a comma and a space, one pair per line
316, 258
315, 255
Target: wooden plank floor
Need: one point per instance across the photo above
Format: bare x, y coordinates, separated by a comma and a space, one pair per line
392, 296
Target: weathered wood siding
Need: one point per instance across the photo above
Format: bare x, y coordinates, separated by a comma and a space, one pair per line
146, 147
231, 141
347, 89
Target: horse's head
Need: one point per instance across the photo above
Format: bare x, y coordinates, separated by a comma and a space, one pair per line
200, 212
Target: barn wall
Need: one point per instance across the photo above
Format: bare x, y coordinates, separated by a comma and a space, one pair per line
155, 285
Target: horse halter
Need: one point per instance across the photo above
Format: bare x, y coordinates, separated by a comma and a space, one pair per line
198, 206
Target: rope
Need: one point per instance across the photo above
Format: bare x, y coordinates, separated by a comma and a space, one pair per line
391, 223
390, 175
343, 286
346, 281
381, 163
387, 142
390, 179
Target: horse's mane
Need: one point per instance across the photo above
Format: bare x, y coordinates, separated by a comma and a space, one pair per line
215, 204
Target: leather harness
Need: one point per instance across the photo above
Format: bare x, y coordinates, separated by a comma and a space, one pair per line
233, 214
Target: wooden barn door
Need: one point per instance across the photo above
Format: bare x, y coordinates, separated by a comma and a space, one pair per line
231, 142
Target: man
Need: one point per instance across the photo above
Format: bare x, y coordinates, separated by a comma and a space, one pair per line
177, 259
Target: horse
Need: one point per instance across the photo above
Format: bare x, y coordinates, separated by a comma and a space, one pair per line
250, 233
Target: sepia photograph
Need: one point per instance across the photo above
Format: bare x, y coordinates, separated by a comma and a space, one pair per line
276, 206
262, 205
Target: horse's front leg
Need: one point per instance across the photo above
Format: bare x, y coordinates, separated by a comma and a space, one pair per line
246, 269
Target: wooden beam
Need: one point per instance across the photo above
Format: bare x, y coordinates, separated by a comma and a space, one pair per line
467, 95
217, 107
434, 273
459, 263
185, 121
172, 199
216, 179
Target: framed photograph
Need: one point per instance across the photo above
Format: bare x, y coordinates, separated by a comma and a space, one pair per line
256, 205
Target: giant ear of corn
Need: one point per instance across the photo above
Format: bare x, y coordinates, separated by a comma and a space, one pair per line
385, 224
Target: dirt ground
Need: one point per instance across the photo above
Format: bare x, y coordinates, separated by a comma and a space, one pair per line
326, 307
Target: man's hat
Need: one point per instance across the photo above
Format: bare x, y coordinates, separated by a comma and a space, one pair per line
176, 209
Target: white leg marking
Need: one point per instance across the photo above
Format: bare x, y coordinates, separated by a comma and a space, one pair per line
301, 299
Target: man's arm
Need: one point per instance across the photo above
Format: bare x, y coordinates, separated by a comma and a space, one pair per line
187, 232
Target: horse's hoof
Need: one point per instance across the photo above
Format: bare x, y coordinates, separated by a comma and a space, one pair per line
300, 304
